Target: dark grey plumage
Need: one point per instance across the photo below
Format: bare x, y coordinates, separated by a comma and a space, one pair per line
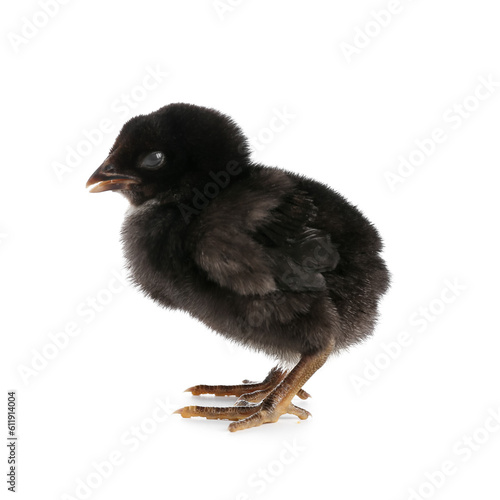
265, 257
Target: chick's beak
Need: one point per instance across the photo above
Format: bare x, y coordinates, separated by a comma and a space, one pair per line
107, 178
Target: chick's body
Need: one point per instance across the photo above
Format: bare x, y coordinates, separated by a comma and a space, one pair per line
225, 269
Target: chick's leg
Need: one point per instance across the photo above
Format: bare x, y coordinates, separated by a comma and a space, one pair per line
276, 402
249, 391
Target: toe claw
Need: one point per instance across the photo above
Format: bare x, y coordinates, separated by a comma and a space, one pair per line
303, 394
301, 413
196, 390
182, 412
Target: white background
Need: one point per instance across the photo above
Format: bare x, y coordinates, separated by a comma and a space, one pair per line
353, 117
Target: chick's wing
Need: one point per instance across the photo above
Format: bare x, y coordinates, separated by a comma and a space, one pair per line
262, 246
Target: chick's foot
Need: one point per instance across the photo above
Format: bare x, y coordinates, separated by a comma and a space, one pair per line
277, 402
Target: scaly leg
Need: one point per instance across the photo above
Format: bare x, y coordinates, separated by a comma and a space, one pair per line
276, 403
256, 391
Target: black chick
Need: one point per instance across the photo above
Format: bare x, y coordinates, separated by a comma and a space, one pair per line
265, 257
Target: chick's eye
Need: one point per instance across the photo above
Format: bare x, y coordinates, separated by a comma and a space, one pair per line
153, 160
